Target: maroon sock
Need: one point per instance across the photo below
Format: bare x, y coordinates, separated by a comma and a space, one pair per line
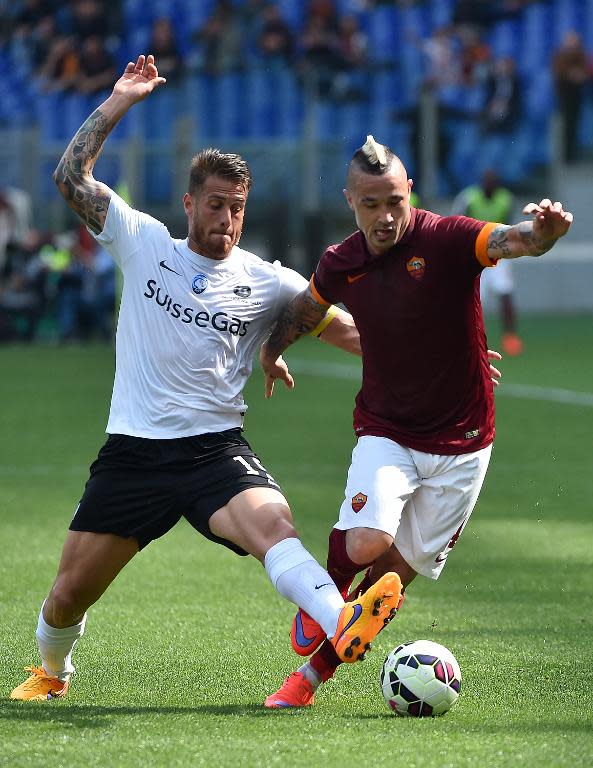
325, 661
339, 565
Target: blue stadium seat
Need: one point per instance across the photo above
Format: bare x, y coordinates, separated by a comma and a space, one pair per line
257, 104
289, 104
158, 113
384, 34
228, 101
201, 107
441, 12
48, 107
505, 38
292, 12
534, 53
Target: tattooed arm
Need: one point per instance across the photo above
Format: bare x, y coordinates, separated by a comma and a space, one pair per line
300, 317
530, 238
74, 175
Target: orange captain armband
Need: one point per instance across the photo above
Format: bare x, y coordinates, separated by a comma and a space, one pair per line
482, 245
316, 295
330, 314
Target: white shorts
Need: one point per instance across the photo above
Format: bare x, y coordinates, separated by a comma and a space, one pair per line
498, 279
421, 499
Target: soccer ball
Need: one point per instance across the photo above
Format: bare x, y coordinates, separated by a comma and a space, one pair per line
420, 679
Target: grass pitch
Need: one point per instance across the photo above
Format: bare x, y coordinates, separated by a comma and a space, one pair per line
181, 651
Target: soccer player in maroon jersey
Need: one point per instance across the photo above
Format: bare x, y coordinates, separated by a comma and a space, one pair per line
424, 416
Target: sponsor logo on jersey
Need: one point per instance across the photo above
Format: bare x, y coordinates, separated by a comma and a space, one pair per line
242, 291
472, 433
220, 321
199, 284
416, 267
358, 501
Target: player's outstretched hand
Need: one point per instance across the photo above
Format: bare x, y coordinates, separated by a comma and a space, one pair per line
550, 221
495, 374
273, 370
139, 79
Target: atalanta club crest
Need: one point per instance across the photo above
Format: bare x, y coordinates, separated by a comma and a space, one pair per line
416, 267
199, 284
359, 501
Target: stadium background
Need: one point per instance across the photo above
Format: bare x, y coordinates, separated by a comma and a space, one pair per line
185, 645
415, 73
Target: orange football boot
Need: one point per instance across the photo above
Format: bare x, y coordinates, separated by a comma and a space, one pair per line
361, 620
40, 686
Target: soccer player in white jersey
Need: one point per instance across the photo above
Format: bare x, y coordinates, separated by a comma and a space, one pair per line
192, 315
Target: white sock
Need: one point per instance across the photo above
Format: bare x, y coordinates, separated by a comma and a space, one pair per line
311, 675
56, 645
298, 576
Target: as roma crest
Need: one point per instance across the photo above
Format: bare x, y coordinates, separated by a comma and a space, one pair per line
416, 267
359, 501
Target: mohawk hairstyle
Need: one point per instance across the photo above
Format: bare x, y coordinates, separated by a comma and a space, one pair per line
373, 157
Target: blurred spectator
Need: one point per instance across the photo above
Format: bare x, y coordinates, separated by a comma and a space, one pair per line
475, 56
571, 74
220, 41
41, 40
502, 105
490, 201
325, 12
15, 225
24, 294
61, 69
442, 52
98, 69
163, 44
352, 60
275, 41
6, 228
97, 297
485, 13
87, 18
320, 58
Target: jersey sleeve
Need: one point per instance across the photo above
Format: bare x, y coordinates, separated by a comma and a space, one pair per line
123, 225
467, 239
291, 284
324, 283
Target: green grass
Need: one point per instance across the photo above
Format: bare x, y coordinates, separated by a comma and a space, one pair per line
183, 648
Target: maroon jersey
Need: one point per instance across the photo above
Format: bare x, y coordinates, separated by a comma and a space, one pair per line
426, 379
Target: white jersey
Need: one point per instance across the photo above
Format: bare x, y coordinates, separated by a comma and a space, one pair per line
188, 328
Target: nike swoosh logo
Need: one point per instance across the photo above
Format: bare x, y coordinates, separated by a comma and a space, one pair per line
163, 264
354, 278
300, 635
355, 617
440, 558
318, 586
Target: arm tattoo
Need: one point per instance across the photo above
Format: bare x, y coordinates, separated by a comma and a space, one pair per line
73, 176
498, 243
505, 242
534, 245
299, 317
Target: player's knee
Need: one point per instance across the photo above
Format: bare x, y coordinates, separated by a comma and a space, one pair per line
65, 604
365, 545
281, 528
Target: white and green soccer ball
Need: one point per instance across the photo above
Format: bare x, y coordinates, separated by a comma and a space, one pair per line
420, 679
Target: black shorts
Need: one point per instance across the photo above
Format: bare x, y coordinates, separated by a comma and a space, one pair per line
141, 488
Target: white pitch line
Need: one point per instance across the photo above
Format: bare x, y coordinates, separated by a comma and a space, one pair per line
521, 391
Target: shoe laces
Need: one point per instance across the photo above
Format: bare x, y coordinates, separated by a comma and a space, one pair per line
37, 671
